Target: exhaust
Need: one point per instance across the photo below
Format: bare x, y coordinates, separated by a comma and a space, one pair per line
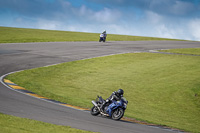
95, 104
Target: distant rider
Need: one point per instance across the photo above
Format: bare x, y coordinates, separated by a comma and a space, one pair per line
103, 34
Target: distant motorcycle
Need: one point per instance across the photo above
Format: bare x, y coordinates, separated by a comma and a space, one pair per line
115, 110
102, 38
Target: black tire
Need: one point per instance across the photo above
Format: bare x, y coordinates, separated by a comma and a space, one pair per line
99, 40
117, 114
94, 111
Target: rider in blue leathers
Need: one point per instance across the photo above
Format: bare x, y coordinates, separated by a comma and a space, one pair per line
115, 96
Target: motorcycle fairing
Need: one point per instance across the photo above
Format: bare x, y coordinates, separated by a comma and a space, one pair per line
113, 106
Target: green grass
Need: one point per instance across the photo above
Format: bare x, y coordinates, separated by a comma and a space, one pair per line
193, 51
161, 89
12, 124
18, 35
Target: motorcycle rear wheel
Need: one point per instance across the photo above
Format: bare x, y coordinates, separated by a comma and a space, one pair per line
94, 111
117, 114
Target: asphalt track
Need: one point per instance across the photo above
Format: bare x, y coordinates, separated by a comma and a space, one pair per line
21, 56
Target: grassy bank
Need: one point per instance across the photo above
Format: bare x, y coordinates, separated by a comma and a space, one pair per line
15, 35
161, 89
192, 51
12, 124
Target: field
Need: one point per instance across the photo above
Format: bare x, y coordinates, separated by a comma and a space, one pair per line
191, 51
12, 124
162, 89
15, 35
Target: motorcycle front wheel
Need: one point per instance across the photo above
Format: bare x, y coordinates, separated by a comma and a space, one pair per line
94, 111
117, 114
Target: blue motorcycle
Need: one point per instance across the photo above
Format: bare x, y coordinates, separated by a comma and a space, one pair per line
102, 37
114, 110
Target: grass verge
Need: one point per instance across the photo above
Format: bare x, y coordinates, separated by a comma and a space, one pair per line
192, 51
12, 124
18, 35
161, 89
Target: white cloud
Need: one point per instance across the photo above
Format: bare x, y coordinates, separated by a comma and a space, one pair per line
120, 29
106, 15
50, 25
83, 11
153, 17
156, 25
165, 32
65, 26
194, 29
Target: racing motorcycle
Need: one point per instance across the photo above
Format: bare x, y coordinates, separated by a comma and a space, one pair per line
102, 38
115, 110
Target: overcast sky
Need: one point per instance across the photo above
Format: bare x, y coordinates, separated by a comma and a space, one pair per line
157, 18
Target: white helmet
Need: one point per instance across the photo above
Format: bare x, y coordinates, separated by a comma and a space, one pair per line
104, 31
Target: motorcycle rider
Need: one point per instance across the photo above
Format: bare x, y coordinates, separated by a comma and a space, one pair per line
115, 96
103, 34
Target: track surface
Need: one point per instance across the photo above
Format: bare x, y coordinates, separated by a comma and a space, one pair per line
20, 56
